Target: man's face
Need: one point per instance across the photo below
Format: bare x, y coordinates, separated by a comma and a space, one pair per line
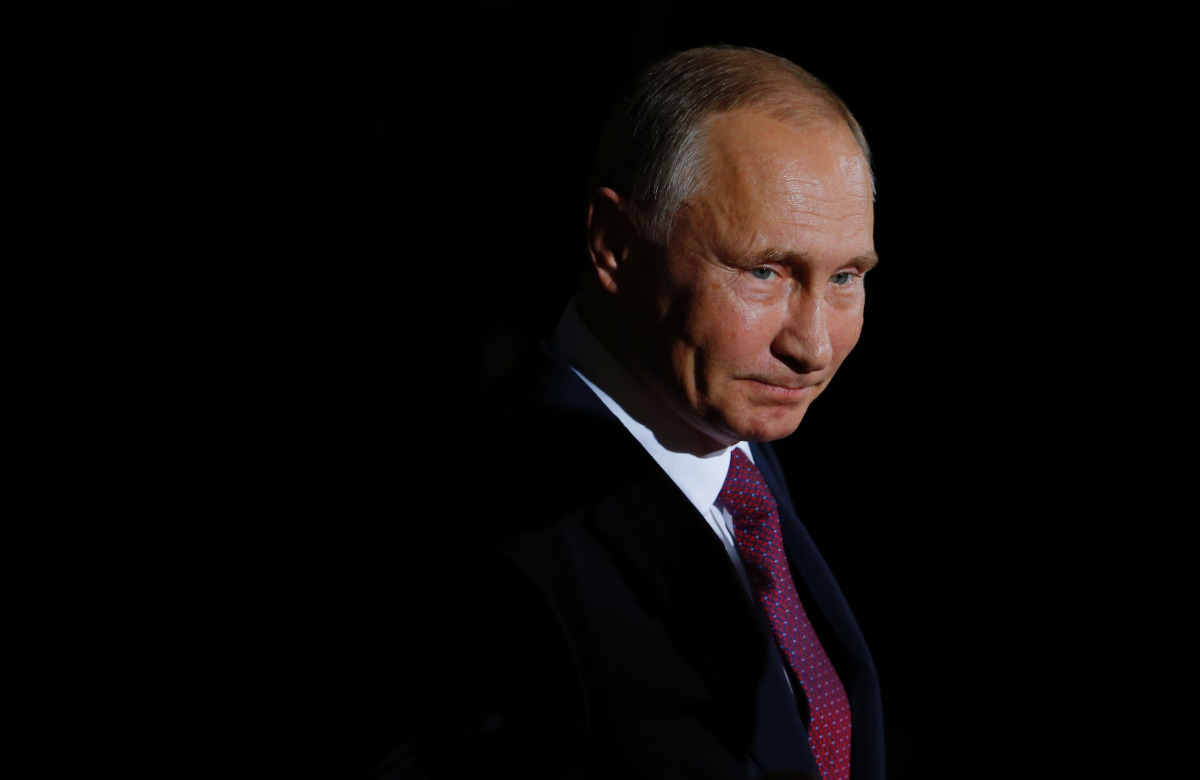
760, 295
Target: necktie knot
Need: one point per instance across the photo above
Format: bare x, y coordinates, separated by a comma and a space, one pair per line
757, 538
745, 493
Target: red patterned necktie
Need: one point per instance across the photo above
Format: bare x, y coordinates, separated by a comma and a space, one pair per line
758, 540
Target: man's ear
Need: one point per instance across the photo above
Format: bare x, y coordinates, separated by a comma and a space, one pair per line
612, 238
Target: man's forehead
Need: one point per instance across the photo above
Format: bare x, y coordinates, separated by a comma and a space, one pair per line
757, 165
783, 189
749, 146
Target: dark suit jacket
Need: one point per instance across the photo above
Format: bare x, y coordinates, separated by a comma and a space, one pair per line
595, 627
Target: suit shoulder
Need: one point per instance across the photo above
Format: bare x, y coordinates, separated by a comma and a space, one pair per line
546, 448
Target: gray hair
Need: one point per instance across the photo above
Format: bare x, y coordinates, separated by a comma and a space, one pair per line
652, 149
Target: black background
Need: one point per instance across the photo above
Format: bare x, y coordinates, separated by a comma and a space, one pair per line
259, 262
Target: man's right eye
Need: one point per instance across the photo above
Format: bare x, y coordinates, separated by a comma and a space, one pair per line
762, 274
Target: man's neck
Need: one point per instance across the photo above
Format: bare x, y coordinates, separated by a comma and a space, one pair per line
619, 374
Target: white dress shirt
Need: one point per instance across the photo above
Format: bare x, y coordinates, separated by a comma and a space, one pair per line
651, 422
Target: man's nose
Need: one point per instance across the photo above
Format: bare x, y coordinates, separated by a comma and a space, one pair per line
803, 340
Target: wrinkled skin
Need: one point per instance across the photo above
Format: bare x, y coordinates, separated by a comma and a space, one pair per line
743, 318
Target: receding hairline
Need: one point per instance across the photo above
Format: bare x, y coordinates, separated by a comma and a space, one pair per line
741, 77
802, 119
784, 91
656, 128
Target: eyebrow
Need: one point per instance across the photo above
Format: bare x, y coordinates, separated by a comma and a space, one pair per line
865, 261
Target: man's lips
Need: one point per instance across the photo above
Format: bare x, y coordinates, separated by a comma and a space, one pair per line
785, 388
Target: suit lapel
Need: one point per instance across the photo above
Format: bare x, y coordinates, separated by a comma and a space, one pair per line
834, 622
684, 576
841, 635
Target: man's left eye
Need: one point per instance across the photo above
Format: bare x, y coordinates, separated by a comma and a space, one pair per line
762, 273
842, 278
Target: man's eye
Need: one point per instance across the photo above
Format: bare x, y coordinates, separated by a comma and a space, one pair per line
762, 273
842, 278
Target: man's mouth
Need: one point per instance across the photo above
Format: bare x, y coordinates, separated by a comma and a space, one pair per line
784, 388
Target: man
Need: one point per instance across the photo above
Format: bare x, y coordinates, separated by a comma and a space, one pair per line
656, 608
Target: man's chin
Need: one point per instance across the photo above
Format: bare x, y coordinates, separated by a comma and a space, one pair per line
769, 425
